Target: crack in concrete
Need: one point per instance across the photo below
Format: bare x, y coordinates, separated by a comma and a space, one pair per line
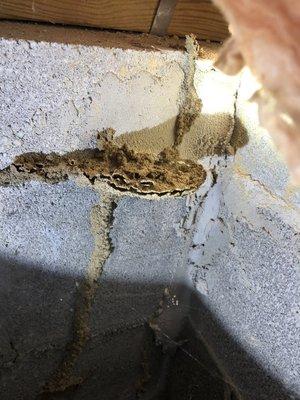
276, 197
157, 77
14, 349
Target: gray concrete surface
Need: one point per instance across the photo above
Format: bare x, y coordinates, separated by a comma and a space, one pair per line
57, 96
245, 268
110, 295
46, 247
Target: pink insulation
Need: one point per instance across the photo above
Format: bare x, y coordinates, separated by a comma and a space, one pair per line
266, 36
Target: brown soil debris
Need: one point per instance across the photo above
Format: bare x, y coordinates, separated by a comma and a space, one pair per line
120, 167
72, 35
64, 378
192, 104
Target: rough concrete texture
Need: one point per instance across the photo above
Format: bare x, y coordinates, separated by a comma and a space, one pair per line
106, 294
144, 90
46, 249
245, 268
247, 280
56, 96
259, 160
40, 268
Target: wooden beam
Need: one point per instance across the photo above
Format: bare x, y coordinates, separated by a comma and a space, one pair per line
200, 17
135, 15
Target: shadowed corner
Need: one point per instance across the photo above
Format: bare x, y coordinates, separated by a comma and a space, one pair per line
124, 357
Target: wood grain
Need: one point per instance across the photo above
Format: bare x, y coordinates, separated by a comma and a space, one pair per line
135, 15
200, 17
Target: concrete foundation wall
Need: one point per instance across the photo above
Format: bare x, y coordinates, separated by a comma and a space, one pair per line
245, 266
109, 294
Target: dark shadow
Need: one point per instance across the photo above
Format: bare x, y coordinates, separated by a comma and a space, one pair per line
248, 378
132, 351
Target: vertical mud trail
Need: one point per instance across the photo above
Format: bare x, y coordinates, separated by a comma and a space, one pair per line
101, 220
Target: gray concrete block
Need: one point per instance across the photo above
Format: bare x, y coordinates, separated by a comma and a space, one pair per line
246, 280
91, 279
45, 245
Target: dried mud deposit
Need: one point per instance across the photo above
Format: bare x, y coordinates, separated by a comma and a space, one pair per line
119, 166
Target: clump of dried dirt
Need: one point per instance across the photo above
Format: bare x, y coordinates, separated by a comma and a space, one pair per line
122, 168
